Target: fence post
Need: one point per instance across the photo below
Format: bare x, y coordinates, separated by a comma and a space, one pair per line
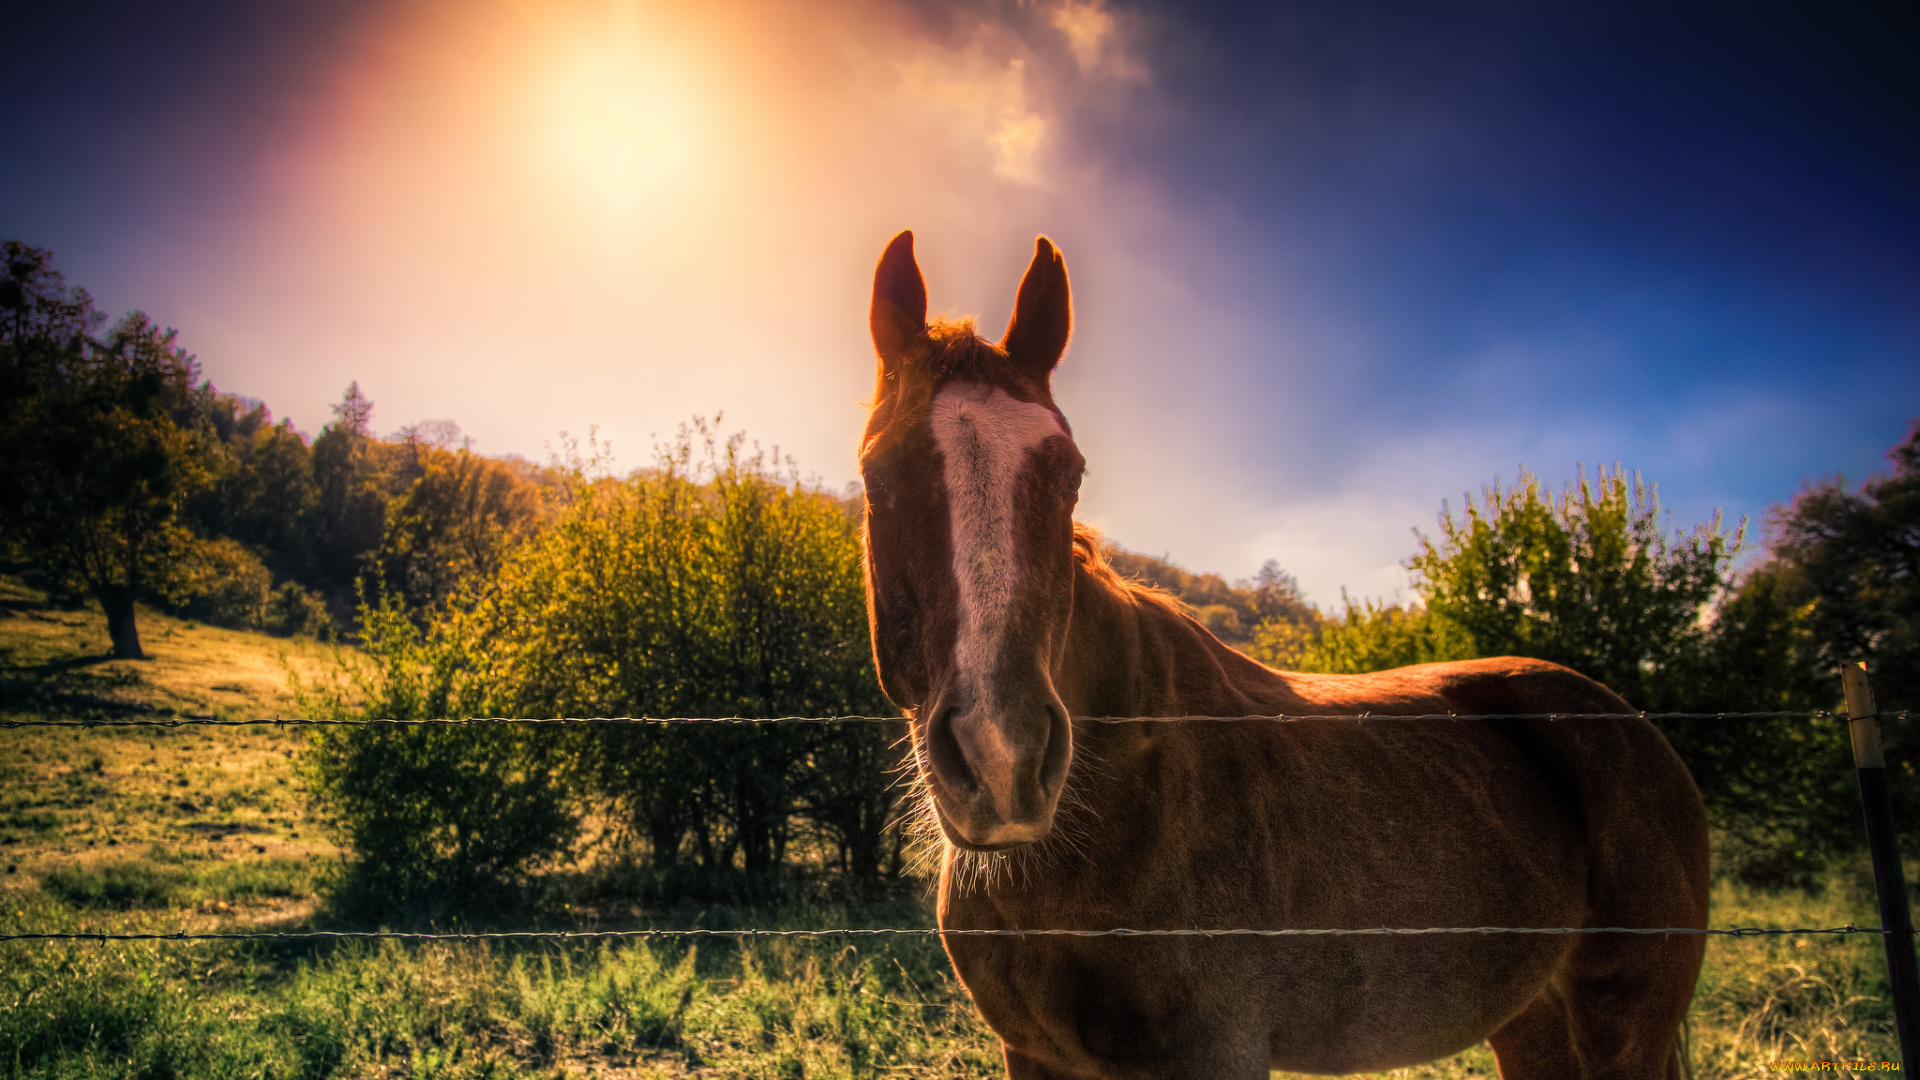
1889, 880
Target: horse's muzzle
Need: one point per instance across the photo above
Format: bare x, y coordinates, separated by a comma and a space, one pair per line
996, 775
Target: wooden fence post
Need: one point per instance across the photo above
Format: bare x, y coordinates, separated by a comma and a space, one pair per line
1889, 880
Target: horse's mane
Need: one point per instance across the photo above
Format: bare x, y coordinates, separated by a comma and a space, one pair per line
1089, 550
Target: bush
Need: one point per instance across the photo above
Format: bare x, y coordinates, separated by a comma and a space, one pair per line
716, 589
1369, 637
433, 814
295, 610
224, 585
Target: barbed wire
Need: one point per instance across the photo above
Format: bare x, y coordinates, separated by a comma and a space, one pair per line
204, 720
201, 720
606, 935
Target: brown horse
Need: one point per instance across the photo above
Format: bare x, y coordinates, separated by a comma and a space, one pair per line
996, 624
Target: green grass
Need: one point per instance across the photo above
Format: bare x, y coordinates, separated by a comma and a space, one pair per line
771, 1009
159, 830
783, 1009
127, 884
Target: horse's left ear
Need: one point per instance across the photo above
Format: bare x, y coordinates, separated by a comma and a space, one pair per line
1042, 314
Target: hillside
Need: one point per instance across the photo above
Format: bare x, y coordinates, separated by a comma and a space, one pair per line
1230, 610
70, 797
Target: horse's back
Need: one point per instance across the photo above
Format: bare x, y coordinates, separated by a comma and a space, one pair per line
1640, 813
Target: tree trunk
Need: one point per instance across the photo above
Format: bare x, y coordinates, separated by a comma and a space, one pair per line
663, 836
117, 602
862, 845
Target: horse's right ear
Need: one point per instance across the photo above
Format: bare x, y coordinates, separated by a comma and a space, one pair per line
899, 312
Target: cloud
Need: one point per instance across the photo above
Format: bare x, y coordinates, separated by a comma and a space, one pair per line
982, 102
1096, 39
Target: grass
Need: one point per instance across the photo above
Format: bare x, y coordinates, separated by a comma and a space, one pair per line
70, 798
789, 1009
160, 830
61, 659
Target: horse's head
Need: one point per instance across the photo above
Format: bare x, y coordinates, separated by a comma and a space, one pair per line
971, 477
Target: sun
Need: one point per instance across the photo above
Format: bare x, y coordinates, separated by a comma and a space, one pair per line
622, 124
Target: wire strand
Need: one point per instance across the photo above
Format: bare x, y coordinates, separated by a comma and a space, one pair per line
204, 720
603, 935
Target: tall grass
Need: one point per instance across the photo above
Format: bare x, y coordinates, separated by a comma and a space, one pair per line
267, 1010
786, 1009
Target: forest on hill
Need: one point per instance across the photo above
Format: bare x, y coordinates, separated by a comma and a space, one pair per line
715, 583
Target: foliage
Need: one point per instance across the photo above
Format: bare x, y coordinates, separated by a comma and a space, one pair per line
454, 523
432, 811
1841, 583
224, 584
713, 588
1232, 612
296, 611
98, 471
262, 487
1589, 580
1368, 637
1851, 560
355, 476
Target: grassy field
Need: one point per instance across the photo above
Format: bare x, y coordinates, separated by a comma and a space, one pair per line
156, 829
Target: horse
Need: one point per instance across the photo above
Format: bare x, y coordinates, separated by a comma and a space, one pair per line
1005, 637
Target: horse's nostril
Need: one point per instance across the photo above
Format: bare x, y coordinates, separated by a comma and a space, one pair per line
949, 762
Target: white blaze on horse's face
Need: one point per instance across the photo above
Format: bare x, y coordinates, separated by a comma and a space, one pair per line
998, 707
972, 477
986, 439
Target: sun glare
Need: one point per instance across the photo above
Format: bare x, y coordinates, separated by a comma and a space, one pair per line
622, 125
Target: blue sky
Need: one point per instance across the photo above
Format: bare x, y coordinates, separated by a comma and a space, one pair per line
1333, 263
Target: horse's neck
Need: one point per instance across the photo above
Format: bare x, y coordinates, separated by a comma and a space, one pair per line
1130, 656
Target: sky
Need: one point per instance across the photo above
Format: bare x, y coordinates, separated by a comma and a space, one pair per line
1333, 264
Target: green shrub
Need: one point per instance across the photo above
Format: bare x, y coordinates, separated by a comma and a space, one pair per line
719, 588
294, 610
1368, 637
225, 585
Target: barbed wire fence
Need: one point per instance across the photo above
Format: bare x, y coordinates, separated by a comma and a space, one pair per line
203, 720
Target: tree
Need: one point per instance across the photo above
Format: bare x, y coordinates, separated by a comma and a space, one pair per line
1853, 559
1841, 583
1368, 637
44, 332
355, 476
455, 523
98, 470
736, 595
1590, 580
262, 490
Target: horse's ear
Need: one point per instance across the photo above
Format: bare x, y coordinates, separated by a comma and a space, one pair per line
899, 302
1042, 313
